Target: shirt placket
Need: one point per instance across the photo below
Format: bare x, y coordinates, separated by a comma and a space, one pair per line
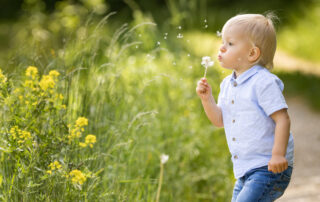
233, 104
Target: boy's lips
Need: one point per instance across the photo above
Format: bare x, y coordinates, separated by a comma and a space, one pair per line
219, 57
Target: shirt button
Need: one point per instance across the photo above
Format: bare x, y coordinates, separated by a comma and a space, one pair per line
235, 84
235, 157
233, 121
232, 101
233, 139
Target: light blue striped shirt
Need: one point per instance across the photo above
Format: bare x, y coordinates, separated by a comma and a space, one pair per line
247, 103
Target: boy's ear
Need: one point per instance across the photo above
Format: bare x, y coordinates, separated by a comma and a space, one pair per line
254, 54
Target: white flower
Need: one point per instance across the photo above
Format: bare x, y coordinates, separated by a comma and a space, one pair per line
206, 62
164, 158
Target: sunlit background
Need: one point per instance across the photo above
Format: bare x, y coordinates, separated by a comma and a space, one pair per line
93, 92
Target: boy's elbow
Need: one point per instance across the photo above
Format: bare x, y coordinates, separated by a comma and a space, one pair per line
219, 124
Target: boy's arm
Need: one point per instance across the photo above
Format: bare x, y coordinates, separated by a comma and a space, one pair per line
213, 111
278, 162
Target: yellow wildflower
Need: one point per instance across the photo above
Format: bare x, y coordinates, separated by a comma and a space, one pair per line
82, 144
21, 134
81, 121
32, 71
46, 82
77, 177
54, 74
3, 78
90, 140
55, 165
28, 83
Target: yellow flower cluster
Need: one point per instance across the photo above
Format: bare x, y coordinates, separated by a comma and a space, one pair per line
32, 72
47, 82
78, 128
90, 140
3, 78
77, 177
81, 121
54, 166
20, 134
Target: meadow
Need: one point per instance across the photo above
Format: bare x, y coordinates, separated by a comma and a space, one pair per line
88, 108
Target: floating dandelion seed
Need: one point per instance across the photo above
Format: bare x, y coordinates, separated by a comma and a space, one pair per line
137, 46
190, 67
180, 36
165, 37
206, 62
140, 35
188, 41
179, 27
158, 43
166, 34
218, 33
188, 55
205, 20
206, 26
174, 63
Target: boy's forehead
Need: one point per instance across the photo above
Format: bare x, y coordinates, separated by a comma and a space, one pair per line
233, 32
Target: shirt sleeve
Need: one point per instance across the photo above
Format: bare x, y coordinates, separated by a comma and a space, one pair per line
270, 97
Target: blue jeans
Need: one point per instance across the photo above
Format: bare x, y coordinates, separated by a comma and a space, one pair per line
261, 185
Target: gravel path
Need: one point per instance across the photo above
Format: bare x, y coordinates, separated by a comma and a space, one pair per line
305, 127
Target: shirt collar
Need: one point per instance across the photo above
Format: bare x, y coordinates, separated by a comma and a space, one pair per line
245, 75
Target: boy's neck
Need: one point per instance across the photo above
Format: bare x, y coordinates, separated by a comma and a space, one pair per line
239, 71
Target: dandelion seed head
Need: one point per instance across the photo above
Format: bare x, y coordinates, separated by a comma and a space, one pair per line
164, 158
207, 62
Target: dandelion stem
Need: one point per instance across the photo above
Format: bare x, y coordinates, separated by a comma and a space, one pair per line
160, 182
205, 72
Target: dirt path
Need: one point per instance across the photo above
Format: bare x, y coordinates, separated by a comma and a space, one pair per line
289, 63
305, 127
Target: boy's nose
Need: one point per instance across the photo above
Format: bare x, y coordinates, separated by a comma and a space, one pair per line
222, 48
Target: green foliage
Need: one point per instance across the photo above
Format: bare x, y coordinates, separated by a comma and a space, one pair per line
301, 37
140, 101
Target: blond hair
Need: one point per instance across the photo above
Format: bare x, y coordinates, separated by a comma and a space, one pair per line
261, 32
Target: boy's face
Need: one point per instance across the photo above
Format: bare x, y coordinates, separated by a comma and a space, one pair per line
235, 49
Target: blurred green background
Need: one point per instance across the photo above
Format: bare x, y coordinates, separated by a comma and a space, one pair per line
131, 68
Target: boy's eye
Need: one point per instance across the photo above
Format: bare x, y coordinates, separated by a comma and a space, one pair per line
230, 44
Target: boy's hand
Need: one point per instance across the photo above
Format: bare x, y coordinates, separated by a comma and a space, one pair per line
277, 164
204, 89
